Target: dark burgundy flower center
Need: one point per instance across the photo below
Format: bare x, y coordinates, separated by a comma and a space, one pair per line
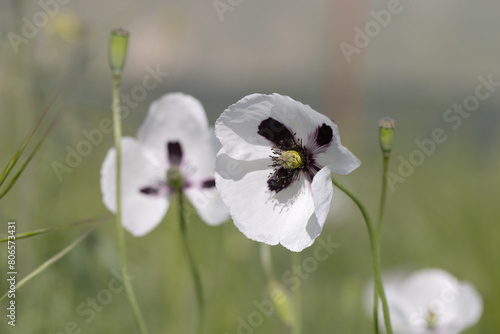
300, 159
175, 179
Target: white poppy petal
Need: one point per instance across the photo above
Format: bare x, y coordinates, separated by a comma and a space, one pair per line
299, 234
337, 157
208, 204
199, 173
468, 307
425, 285
140, 213
300, 226
322, 193
237, 128
236, 181
286, 217
300, 118
173, 117
199, 157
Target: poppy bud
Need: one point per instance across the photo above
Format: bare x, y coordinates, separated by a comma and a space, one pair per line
386, 134
118, 43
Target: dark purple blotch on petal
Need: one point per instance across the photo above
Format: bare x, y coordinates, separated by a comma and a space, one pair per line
174, 151
324, 135
208, 183
149, 190
282, 178
276, 132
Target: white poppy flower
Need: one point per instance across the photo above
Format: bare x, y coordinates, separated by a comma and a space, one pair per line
174, 147
430, 301
273, 170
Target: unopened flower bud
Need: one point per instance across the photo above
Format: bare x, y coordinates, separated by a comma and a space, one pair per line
386, 134
118, 43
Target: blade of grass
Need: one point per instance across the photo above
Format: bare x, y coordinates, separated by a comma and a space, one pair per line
58, 228
25, 142
52, 260
32, 154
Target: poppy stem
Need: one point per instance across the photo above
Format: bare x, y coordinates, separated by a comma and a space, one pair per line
374, 242
194, 271
297, 320
119, 228
378, 233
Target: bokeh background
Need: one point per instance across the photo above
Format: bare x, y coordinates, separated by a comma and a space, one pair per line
416, 67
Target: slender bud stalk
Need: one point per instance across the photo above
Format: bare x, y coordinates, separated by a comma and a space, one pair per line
386, 138
118, 43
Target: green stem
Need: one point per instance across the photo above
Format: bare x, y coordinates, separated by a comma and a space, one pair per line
119, 228
192, 265
375, 251
378, 233
297, 323
382, 196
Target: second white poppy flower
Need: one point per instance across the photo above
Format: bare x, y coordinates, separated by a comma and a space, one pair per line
174, 148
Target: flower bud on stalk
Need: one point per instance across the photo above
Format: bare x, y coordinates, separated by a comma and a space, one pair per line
386, 135
118, 43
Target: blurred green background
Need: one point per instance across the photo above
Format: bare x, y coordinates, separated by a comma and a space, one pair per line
425, 60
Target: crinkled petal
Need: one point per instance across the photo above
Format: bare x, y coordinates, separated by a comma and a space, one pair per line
300, 225
140, 213
300, 118
337, 157
236, 181
286, 217
305, 122
208, 204
237, 128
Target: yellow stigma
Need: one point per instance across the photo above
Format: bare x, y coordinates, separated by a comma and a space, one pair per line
290, 159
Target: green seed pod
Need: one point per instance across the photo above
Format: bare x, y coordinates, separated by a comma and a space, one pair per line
386, 134
118, 43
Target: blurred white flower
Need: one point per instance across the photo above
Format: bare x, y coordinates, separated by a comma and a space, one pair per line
274, 168
429, 301
174, 148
